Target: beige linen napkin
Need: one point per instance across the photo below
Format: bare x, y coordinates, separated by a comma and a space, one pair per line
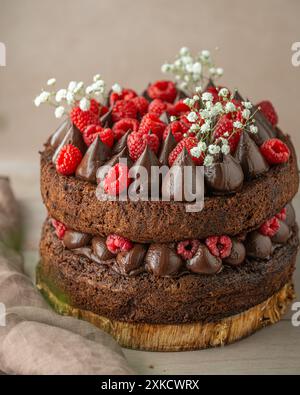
33, 338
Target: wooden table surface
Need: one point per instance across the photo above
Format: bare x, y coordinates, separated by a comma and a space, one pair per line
274, 350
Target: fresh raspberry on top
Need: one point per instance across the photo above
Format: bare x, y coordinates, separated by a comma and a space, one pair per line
116, 244
126, 94
267, 108
151, 122
68, 159
177, 128
158, 106
116, 180
142, 105
123, 109
136, 144
95, 107
188, 143
81, 119
60, 228
275, 151
224, 128
219, 246
92, 131
123, 126
103, 110
270, 227
164, 90
187, 248
281, 215
179, 108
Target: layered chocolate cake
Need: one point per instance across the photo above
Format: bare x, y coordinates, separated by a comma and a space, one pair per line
166, 274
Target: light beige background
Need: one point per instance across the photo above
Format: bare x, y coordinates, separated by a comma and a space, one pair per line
127, 41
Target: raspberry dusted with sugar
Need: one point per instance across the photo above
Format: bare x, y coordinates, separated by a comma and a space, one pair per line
81, 119
126, 94
281, 215
270, 227
123, 109
158, 106
267, 108
60, 228
151, 122
92, 131
177, 128
136, 144
275, 151
123, 126
68, 159
116, 244
224, 128
142, 105
188, 143
164, 90
187, 248
219, 246
116, 180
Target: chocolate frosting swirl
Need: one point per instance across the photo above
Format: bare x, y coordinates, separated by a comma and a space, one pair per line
258, 245
167, 147
162, 261
100, 249
131, 262
73, 137
203, 262
95, 156
237, 254
73, 240
226, 176
250, 158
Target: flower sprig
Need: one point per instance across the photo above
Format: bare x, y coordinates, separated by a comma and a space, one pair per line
190, 71
75, 94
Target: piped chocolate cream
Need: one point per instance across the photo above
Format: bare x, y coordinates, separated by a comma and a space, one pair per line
164, 118
237, 254
167, 147
238, 96
73, 240
60, 133
100, 249
265, 129
121, 143
131, 262
73, 137
203, 262
96, 155
225, 176
258, 245
250, 158
106, 119
162, 261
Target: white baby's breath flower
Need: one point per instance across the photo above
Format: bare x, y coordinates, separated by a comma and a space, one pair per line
89, 89
196, 152
187, 78
183, 85
225, 149
51, 82
197, 68
253, 129
219, 71
70, 98
206, 96
194, 127
226, 134
230, 107
60, 95
44, 97
172, 118
214, 149
79, 87
205, 114
198, 89
202, 146
205, 127
178, 63
97, 77
192, 116
237, 125
212, 71
223, 92
184, 51
189, 102
209, 105
247, 104
196, 98
246, 113
72, 86
165, 68
59, 111
217, 109
208, 160
187, 59
37, 101
116, 88
189, 67
84, 104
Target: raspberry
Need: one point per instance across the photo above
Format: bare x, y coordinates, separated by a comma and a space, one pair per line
92, 131
103, 110
126, 94
219, 246
117, 244
153, 123
158, 106
164, 90
141, 104
281, 215
121, 127
214, 91
275, 151
223, 126
137, 143
60, 228
179, 108
68, 159
123, 109
270, 227
267, 108
81, 119
116, 180
188, 143
177, 128
95, 107
188, 248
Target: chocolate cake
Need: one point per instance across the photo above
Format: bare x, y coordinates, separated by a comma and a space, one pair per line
122, 251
